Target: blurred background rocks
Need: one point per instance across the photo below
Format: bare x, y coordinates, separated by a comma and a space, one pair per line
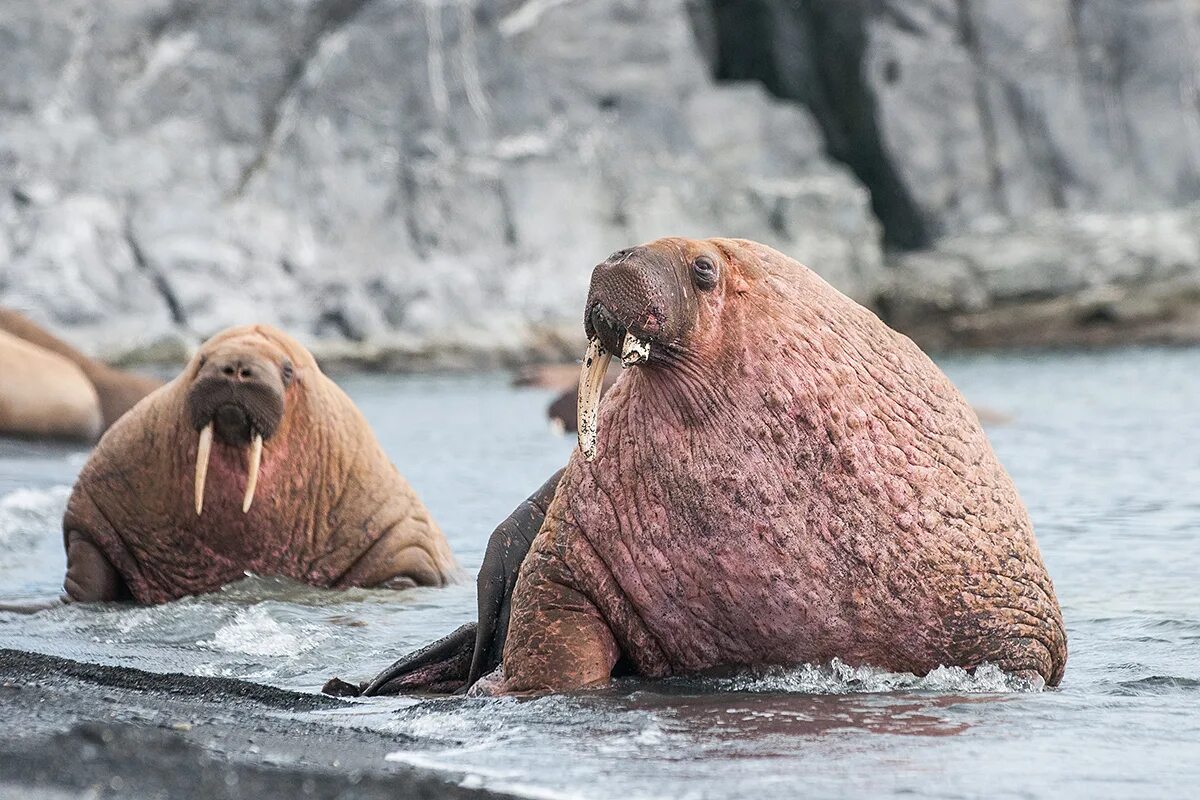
420, 183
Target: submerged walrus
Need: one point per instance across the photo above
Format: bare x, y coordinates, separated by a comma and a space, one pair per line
250, 461
116, 391
780, 479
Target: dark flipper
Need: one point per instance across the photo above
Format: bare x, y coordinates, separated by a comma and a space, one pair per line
91, 577
438, 668
456, 661
506, 551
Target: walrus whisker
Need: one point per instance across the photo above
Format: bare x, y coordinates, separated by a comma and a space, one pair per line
591, 381
256, 446
203, 450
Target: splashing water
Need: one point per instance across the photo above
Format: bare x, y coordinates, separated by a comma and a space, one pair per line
25, 512
839, 677
255, 632
1109, 474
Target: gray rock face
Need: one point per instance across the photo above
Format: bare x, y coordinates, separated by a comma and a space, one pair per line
389, 179
1040, 149
1066, 279
430, 181
957, 111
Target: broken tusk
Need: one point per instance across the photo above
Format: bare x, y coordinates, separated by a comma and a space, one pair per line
591, 381
634, 350
256, 445
203, 450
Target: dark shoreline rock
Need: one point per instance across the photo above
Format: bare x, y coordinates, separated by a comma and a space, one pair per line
72, 727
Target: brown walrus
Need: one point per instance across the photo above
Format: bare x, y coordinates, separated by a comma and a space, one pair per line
43, 394
563, 410
250, 461
118, 391
780, 479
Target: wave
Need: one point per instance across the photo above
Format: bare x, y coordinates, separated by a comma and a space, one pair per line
255, 632
838, 677
27, 514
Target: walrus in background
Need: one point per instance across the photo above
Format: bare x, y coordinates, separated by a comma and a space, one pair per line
563, 410
118, 391
779, 479
43, 394
250, 461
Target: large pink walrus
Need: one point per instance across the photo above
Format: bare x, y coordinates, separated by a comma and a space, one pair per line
779, 479
250, 461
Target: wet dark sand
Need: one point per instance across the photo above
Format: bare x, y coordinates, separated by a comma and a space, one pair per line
113, 732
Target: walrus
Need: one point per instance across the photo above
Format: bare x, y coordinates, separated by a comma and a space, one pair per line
43, 394
563, 411
251, 460
117, 390
777, 478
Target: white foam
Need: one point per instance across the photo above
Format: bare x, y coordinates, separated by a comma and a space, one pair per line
255, 632
29, 515
838, 677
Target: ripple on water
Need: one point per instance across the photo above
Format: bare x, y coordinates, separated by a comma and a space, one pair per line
255, 632
1102, 447
25, 515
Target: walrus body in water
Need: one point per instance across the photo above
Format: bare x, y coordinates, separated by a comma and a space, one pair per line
251, 460
778, 478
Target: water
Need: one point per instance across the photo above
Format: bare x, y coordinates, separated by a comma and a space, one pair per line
1105, 448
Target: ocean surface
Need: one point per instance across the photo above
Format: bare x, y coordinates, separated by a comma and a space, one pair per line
1104, 447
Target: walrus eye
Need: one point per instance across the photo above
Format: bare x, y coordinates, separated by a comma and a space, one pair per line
704, 272
286, 371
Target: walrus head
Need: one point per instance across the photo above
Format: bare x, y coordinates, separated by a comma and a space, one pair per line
238, 393
649, 304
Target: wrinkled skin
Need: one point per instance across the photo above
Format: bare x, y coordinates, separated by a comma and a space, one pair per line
117, 391
785, 481
329, 509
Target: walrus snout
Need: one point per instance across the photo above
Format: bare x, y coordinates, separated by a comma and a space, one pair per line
636, 291
605, 326
239, 398
240, 395
638, 305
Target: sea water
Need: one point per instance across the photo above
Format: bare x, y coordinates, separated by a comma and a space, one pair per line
1104, 448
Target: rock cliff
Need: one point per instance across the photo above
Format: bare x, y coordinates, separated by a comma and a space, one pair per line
415, 182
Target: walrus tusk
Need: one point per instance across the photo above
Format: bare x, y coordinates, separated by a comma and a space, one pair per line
202, 453
634, 350
252, 476
591, 381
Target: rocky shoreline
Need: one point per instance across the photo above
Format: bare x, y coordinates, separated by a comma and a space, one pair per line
115, 732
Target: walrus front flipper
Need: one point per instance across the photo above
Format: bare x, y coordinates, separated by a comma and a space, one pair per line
91, 577
506, 552
455, 662
439, 668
